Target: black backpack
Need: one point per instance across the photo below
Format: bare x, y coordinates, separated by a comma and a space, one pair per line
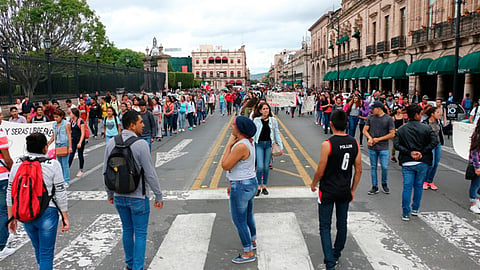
121, 174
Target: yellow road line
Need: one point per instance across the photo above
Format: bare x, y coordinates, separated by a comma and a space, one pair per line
287, 172
206, 165
303, 173
218, 173
299, 146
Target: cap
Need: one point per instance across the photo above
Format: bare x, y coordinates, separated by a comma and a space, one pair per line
377, 104
425, 97
246, 126
142, 103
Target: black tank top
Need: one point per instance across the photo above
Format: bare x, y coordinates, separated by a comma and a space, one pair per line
337, 179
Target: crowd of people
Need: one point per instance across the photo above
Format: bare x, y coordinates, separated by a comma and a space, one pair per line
415, 126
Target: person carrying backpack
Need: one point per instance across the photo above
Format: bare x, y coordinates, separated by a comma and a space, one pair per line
126, 165
40, 220
467, 104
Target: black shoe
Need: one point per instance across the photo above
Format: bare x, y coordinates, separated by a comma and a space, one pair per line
394, 159
258, 193
264, 191
386, 190
326, 131
373, 191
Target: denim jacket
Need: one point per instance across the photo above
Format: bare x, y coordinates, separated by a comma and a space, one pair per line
274, 131
61, 138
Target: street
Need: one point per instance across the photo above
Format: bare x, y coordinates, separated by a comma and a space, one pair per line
194, 229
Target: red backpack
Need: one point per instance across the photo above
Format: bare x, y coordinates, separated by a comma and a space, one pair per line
29, 194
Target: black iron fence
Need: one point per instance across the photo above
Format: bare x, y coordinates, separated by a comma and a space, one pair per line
55, 78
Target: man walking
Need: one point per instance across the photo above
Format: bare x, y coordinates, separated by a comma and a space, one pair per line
134, 208
150, 129
337, 156
415, 142
378, 130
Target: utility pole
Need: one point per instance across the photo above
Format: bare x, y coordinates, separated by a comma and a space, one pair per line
457, 47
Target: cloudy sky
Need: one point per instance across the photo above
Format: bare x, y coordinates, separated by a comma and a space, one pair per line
266, 27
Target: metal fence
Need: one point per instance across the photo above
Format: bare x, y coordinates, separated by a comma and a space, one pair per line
54, 78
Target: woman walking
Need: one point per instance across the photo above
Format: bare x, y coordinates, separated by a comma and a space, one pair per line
363, 114
157, 115
398, 121
190, 112
353, 112
78, 139
168, 116
239, 162
327, 110
63, 138
176, 108
474, 158
434, 115
267, 133
182, 113
111, 125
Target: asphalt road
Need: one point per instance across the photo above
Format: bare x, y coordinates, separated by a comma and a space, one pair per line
194, 230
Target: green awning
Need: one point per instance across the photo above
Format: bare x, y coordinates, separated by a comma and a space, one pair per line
333, 76
395, 70
356, 34
356, 73
349, 73
291, 82
442, 65
418, 67
330, 46
326, 76
343, 73
377, 71
346, 38
470, 63
365, 73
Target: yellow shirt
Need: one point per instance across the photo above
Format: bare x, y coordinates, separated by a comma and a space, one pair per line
104, 110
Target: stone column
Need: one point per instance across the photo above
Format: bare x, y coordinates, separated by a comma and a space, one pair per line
394, 87
468, 85
412, 80
439, 86
360, 88
369, 86
380, 84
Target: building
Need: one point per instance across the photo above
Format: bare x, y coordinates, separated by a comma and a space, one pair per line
397, 45
291, 68
219, 67
181, 64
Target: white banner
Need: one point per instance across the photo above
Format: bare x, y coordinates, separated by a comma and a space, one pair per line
461, 138
16, 134
309, 104
284, 99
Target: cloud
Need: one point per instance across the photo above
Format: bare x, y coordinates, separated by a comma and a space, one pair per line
265, 27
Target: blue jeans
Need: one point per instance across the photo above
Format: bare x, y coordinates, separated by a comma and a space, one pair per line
413, 178
319, 117
199, 118
352, 125
167, 124
374, 156
175, 121
190, 119
149, 141
65, 168
241, 209
181, 120
474, 191
222, 107
325, 219
43, 234
326, 120
263, 153
237, 109
3, 213
432, 170
134, 213
107, 138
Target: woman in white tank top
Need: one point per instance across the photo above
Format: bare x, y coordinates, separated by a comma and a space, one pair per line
239, 162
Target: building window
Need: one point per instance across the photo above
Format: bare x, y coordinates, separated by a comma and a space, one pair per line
231, 73
239, 74
211, 60
402, 22
198, 74
374, 30
197, 62
211, 74
204, 61
238, 61
231, 61
218, 60
224, 60
387, 27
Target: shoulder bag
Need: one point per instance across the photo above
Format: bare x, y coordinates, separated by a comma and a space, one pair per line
470, 172
276, 150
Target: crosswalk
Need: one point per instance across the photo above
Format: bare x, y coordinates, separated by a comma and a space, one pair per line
281, 242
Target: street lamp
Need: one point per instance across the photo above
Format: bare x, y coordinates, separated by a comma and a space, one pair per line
127, 61
5, 47
97, 58
333, 20
77, 83
457, 46
48, 44
305, 47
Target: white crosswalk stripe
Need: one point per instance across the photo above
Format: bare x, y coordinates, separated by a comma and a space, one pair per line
281, 244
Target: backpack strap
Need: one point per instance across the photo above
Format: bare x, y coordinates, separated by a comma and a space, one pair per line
127, 143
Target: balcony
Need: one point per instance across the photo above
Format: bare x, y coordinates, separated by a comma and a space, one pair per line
370, 50
343, 58
332, 61
355, 55
383, 46
398, 43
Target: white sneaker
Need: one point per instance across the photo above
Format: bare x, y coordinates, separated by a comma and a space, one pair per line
80, 174
66, 185
474, 208
6, 252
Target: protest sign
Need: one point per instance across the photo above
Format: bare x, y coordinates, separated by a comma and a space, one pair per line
16, 134
461, 138
309, 104
284, 99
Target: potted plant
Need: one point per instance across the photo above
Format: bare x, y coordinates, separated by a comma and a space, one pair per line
466, 12
478, 9
411, 32
434, 25
449, 19
424, 27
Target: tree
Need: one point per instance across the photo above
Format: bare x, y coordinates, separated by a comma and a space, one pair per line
70, 25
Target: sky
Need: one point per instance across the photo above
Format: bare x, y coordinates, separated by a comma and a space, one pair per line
265, 27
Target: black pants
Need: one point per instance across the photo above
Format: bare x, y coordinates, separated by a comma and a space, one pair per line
93, 124
80, 153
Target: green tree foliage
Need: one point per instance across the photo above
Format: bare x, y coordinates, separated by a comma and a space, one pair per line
170, 66
186, 78
72, 27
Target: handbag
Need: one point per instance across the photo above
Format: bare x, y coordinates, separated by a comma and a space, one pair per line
61, 151
276, 151
470, 172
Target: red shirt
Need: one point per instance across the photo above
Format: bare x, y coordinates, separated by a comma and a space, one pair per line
229, 97
83, 111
